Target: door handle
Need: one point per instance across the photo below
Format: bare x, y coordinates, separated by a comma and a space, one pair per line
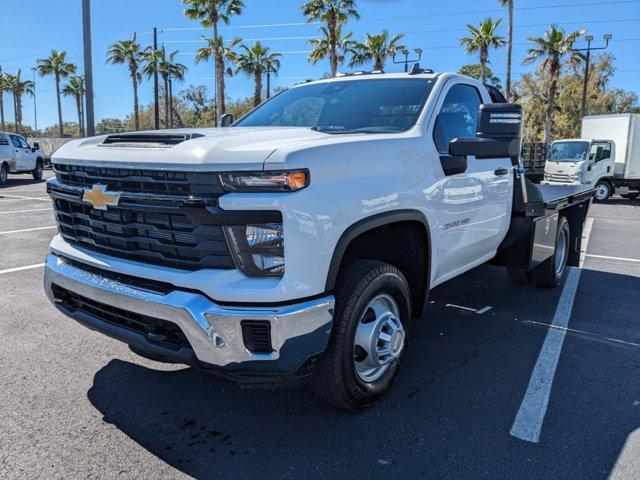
501, 171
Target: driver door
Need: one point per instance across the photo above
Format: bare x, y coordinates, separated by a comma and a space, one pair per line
474, 206
601, 163
19, 153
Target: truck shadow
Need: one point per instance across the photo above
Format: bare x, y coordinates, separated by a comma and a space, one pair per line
448, 415
20, 182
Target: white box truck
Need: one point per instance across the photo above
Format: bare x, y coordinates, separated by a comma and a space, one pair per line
607, 157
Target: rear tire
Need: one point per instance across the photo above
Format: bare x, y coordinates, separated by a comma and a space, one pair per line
631, 196
39, 170
550, 272
4, 173
373, 308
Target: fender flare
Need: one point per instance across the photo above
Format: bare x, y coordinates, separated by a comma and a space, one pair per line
371, 223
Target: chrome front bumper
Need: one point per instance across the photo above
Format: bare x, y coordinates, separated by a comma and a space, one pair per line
298, 331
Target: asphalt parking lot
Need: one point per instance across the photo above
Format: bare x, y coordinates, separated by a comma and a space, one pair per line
75, 404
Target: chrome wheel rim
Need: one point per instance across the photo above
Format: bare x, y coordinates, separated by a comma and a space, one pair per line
379, 339
602, 191
561, 251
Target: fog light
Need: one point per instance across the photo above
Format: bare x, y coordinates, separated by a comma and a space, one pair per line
258, 250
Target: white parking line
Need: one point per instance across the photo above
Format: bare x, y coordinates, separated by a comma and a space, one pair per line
27, 211
528, 423
27, 230
24, 198
19, 269
619, 259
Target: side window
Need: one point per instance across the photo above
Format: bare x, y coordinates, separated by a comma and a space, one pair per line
23, 143
605, 153
458, 117
15, 141
3, 139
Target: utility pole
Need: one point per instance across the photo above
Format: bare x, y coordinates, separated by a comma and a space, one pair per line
589, 38
88, 66
156, 97
406, 60
35, 108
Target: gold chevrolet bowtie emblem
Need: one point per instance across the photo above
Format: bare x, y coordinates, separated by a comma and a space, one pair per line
99, 198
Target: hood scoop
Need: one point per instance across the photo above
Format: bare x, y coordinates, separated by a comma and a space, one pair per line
149, 140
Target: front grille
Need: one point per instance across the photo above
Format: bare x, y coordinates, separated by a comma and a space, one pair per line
184, 237
158, 331
180, 184
557, 177
256, 335
182, 231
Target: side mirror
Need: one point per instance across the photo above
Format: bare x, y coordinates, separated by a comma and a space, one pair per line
36, 146
499, 134
225, 120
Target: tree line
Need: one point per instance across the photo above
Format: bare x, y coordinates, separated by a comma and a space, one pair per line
552, 53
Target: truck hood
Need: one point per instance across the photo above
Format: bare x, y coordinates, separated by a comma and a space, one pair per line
214, 149
564, 168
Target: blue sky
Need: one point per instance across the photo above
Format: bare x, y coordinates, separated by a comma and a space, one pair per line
31, 28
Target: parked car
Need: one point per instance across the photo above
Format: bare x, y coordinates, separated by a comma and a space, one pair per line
303, 240
17, 156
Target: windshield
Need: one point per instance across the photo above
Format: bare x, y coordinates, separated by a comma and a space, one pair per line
568, 151
347, 106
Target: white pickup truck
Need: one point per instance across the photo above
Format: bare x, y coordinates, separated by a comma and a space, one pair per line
607, 157
17, 156
303, 240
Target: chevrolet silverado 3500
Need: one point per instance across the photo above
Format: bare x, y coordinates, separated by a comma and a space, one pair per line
303, 240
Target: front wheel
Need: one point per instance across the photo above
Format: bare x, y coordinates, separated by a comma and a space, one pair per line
39, 171
603, 191
368, 338
550, 272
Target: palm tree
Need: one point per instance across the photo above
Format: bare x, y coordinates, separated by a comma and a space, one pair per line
3, 88
483, 38
217, 50
376, 48
128, 52
19, 88
157, 61
254, 62
552, 50
333, 14
322, 47
210, 13
509, 5
56, 65
75, 88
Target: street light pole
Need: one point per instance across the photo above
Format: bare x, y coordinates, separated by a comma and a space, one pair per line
88, 66
35, 108
268, 82
587, 67
406, 60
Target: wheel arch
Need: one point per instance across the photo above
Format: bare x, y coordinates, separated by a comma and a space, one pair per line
356, 243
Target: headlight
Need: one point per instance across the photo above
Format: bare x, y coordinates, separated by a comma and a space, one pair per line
270, 181
258, 250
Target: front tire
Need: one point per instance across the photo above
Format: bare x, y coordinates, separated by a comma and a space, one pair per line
603, 191
368, 338
39, 171
550, 272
